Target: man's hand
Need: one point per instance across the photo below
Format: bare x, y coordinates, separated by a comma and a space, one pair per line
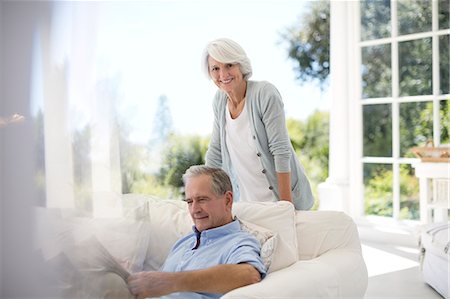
150, 284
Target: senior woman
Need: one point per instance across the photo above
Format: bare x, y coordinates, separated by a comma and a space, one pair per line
249, 138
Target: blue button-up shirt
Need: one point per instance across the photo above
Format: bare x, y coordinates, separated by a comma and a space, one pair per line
226, 244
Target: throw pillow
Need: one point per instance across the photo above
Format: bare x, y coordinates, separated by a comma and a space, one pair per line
267, 239
278, 217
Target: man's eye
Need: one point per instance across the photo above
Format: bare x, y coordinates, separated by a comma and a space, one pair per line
188, 201
230, 65
214, 69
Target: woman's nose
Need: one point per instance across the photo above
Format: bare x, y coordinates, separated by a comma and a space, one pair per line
223, 73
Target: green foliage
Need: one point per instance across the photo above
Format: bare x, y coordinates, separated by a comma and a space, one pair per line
444, 114
377, 130
133, 161
181, 153
150, 185
82, 172
308, 43
310, 140
378, 190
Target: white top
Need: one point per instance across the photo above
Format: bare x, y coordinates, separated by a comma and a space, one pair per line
253, 184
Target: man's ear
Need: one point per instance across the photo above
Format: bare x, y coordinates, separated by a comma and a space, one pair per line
229, 198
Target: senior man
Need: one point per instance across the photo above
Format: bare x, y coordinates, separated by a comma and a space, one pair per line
216, 257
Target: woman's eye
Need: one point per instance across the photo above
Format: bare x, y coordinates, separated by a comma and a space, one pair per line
229, 65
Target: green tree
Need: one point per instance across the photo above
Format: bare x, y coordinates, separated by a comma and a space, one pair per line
82, 165
162, 122
310, 140
308, 43
180, 153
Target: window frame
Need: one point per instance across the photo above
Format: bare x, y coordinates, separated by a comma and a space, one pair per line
358, 160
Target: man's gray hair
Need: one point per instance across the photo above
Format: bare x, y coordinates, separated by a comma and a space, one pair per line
221, 182
225, 50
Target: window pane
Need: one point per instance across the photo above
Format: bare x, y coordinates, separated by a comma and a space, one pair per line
414, 16
409, 193
377, 130
444, 19
378, 189
415, 67
375, 19
444, 63
376, 71
444, 119
416, 126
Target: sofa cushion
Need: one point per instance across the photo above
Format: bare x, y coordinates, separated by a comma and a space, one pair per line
278, 217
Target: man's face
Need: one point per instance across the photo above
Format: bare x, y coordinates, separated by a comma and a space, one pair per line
206, 208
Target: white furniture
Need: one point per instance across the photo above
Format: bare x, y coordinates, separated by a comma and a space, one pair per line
434, 243
317, 253
434, 181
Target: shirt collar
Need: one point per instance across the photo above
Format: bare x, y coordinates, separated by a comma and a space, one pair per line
220, 231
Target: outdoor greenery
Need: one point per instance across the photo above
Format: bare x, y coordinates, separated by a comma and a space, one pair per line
308, 43
308, 46
156, 168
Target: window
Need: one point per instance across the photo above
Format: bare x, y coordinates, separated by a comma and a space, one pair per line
404, 100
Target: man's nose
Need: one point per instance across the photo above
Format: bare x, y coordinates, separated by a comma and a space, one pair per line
195, 206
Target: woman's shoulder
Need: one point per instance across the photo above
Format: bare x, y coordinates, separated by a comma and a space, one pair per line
261, 85
263, 92
263, 88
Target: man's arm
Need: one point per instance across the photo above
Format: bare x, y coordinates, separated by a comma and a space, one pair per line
218, 279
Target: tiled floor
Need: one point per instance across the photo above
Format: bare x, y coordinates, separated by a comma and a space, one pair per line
392, 259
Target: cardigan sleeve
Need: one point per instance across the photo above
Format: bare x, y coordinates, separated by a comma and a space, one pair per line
214, 154
272, 110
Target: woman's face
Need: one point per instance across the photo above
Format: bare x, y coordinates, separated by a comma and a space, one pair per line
226, 76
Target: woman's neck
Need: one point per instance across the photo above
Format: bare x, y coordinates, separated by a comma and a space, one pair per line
238, 95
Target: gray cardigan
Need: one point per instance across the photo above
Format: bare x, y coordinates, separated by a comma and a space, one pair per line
274, 148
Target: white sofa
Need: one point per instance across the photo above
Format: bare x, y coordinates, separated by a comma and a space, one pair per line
317, 254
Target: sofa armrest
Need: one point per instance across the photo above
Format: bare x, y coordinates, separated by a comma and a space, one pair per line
321, 231
335, 274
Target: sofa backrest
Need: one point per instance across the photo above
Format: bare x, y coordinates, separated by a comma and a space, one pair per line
321, 231
170, 220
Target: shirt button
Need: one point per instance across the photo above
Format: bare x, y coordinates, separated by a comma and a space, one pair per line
254, 137
270, 187
264, 171
258, 154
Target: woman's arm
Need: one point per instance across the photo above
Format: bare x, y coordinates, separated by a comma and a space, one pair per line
218, 280
284, 185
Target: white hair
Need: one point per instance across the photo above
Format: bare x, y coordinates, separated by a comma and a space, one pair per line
225, 50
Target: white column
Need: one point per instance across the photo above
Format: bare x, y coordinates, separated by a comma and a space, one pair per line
94, 95
334, 192
59, 180
106, 178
